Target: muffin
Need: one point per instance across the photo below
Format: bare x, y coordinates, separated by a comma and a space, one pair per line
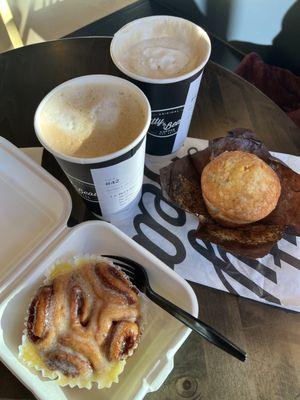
82, 324
239, 188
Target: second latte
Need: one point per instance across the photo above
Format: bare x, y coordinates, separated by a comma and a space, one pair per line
95, 126
91, 119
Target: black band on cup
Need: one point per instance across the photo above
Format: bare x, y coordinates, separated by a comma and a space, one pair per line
80, 176
172, 106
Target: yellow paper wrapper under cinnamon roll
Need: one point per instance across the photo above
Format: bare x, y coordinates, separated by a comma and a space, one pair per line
82, 324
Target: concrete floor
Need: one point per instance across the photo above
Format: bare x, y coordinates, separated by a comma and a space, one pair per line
31, 21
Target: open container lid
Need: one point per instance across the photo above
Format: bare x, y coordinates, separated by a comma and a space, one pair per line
34, 209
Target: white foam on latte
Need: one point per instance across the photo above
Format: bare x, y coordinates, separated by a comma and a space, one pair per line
91, 120
160, 48
160, 58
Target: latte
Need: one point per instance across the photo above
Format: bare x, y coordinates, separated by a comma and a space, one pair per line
91, 119
160, 49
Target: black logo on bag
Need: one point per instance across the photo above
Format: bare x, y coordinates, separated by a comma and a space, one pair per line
165, 123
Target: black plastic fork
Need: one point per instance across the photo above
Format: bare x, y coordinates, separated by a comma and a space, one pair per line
139, 278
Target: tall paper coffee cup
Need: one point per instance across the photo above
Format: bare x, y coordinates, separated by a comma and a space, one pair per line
164, 56
109, 184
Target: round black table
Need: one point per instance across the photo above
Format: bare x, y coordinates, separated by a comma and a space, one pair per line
225, 101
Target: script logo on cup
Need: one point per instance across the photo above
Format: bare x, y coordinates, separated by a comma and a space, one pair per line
86, 190
165, 123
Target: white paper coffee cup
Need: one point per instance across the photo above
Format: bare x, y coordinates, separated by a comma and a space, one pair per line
172, 98
110, 184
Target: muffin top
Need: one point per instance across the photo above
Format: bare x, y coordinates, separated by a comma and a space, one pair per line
239, 187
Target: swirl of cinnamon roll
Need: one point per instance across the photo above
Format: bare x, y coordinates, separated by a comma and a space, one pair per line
116, 280
84, 320
38, 314
123, 340
80, 307
69, 364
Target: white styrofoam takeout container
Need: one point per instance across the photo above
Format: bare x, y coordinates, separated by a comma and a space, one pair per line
34, 209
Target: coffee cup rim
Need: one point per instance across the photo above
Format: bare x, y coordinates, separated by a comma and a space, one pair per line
91, 160
142, 78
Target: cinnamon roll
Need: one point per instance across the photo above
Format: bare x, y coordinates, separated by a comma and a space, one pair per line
83, 324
